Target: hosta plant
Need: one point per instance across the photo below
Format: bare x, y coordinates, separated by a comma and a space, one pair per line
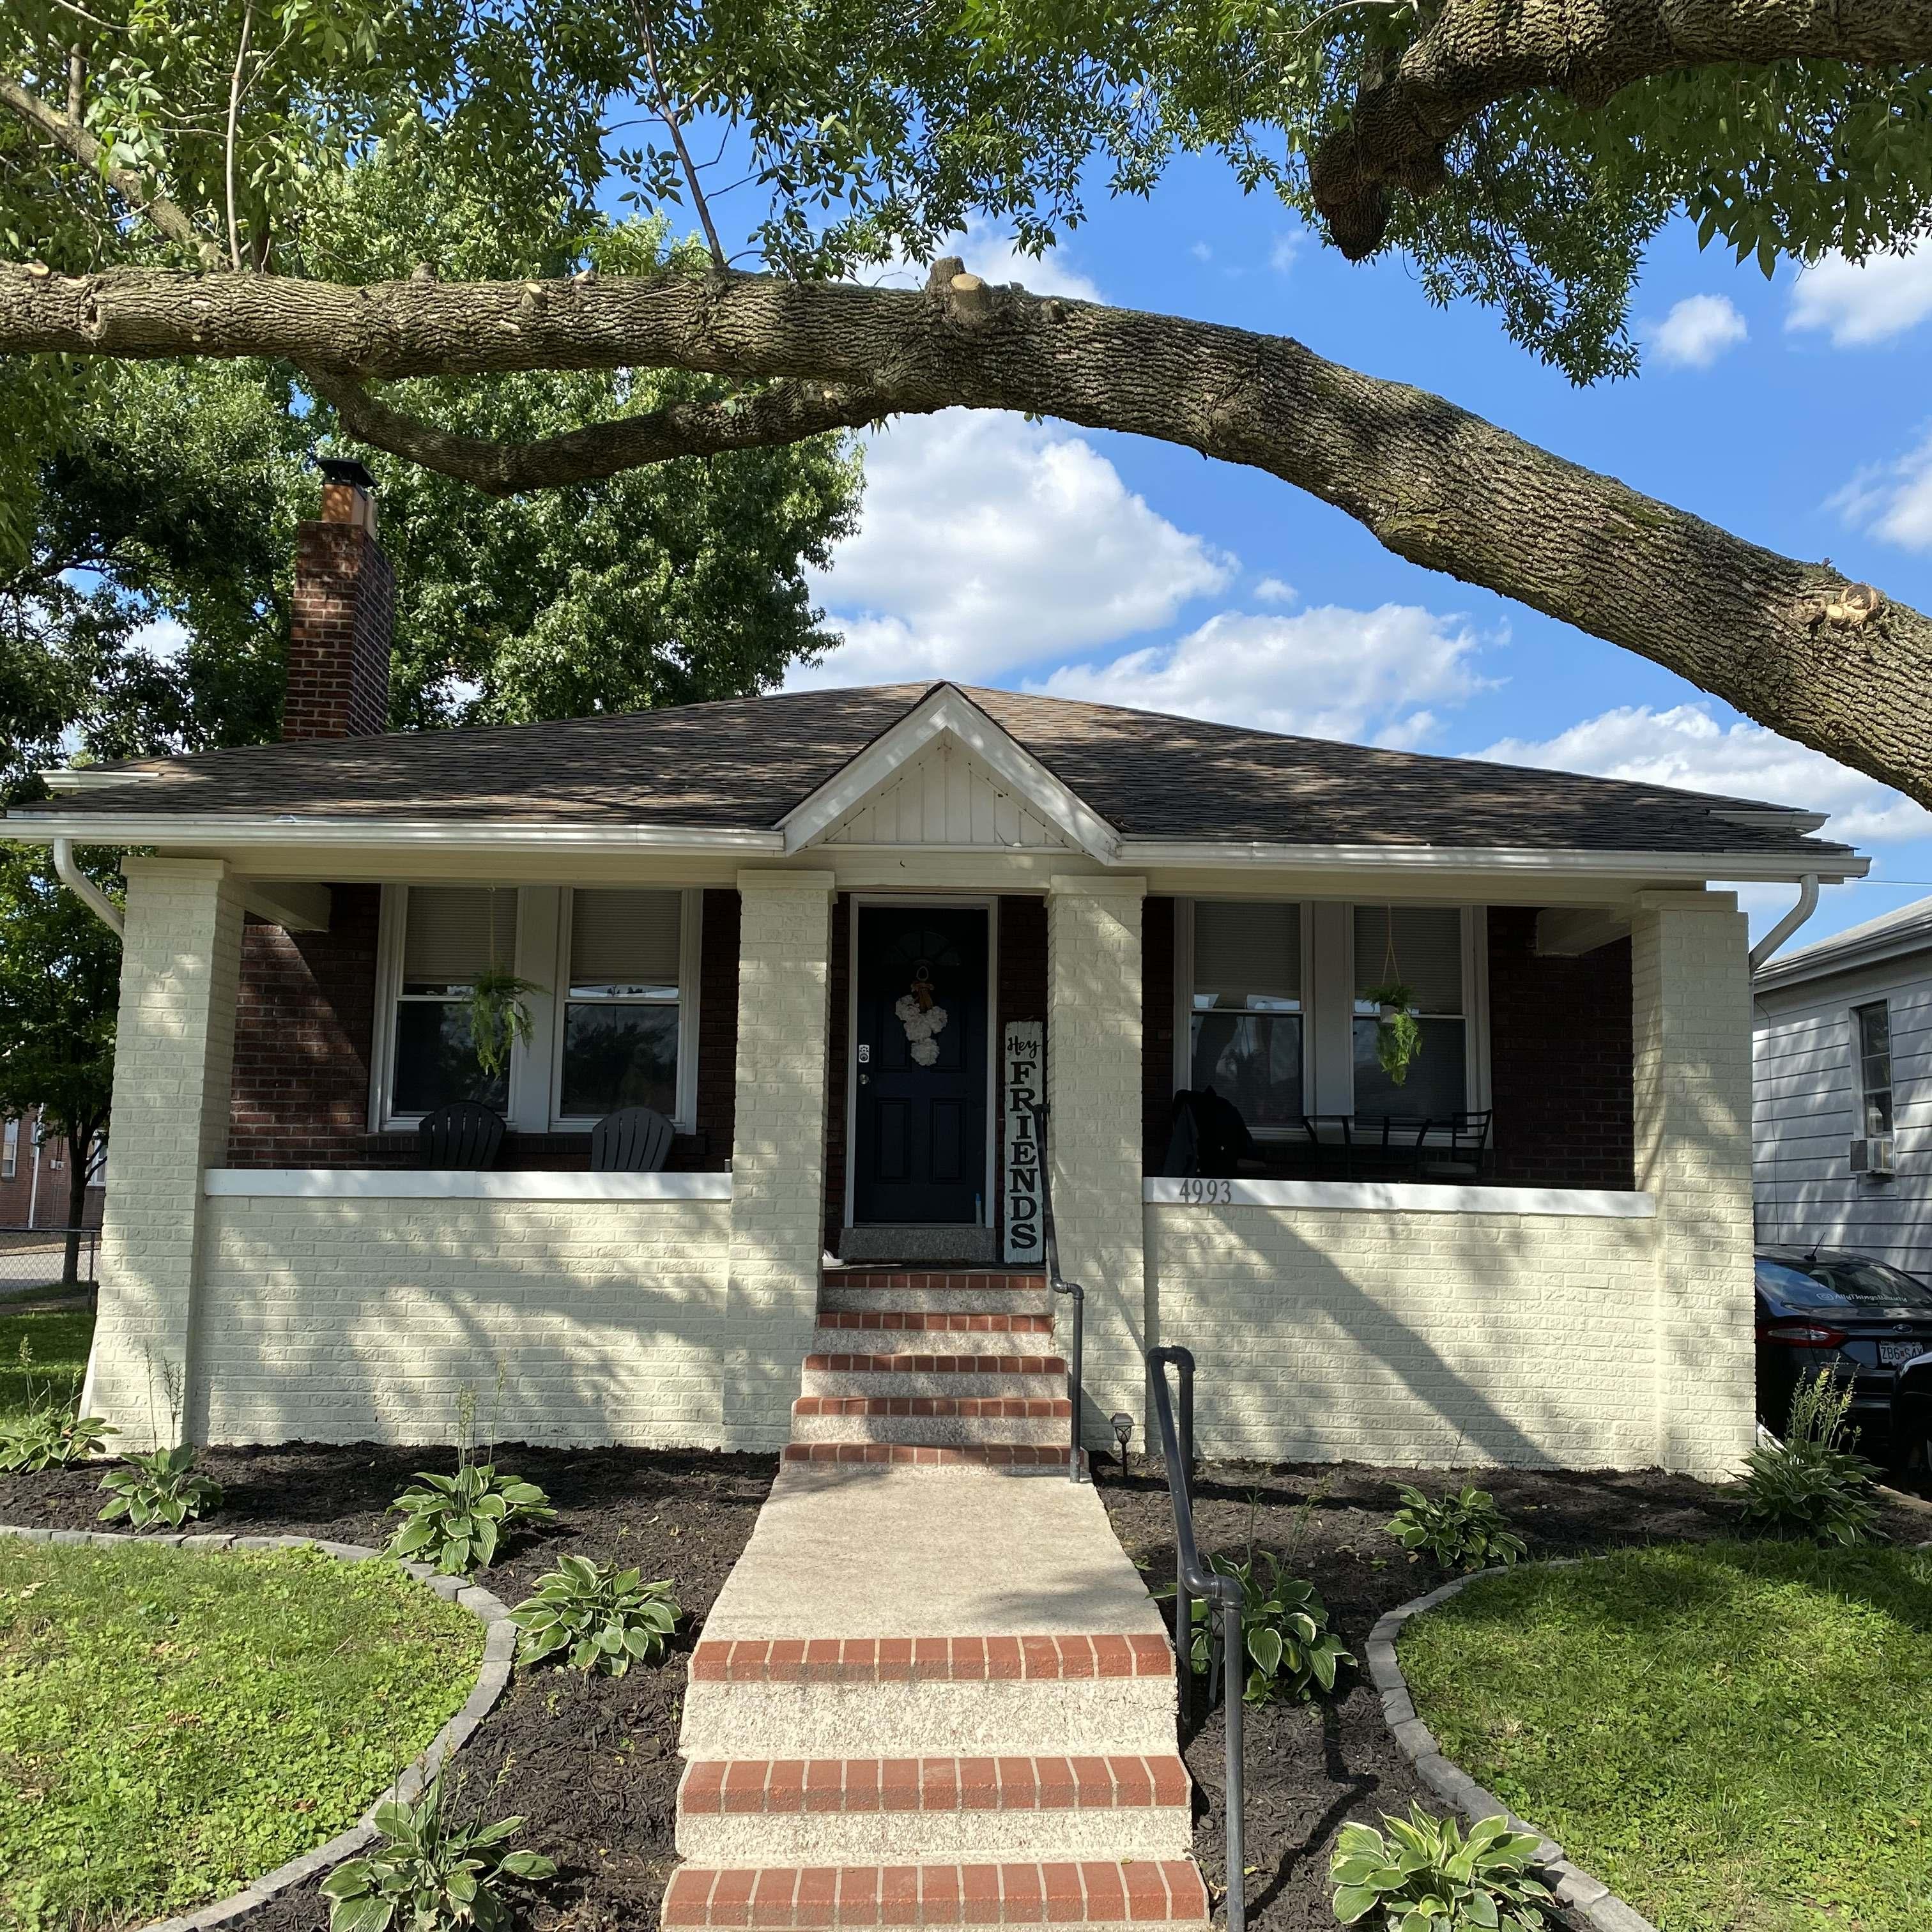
164, 1487
1463, 1529
1814, 1485
1290, 1648
428, 1875
457, 1522
53, 1434
605, 1617
1422, 1875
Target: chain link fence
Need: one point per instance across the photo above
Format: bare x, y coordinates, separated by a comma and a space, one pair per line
33, 1257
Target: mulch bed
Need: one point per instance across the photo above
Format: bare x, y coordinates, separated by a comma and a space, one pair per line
1311, 1768
591, 1763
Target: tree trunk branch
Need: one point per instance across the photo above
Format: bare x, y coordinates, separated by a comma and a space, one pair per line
1475, 55
1786, 642
788, 413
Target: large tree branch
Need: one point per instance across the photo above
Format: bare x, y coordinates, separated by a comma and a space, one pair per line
1475, 54
787, 412
1781, 640
73, 140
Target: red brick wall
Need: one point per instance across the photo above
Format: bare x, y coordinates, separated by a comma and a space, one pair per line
1156, 1031
1560, 1054
341, 620
16, 1196
303, 1023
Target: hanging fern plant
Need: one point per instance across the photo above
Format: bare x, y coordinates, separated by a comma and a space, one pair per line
1398, 1032
500, 1016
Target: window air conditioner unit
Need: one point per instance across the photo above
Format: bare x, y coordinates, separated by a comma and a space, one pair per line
1873, 1156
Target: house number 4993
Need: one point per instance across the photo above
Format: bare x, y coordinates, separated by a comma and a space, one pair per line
1208, 1193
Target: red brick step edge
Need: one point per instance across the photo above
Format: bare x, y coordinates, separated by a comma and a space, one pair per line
1148, 1892
928, 1322
993, 1455
753, 1787
910, 1364
923, 1659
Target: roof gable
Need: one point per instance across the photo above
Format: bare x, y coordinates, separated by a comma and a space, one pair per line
945, 774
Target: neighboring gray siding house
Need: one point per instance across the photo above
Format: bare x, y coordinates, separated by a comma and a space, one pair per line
1842, 1091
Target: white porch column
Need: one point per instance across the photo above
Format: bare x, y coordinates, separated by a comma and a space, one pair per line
1094, 1090
777, 1160
1691, 991
173, 1061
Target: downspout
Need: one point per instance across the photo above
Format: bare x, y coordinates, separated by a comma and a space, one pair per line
1807, 904
91, 896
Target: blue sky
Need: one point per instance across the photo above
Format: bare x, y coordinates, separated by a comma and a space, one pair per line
1031, 556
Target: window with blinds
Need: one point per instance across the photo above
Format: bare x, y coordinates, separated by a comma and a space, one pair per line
452, 933
621, 1018
1424, 952
1245, 1026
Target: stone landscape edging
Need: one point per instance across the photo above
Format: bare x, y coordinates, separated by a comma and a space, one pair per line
499, 1642
1578, 1891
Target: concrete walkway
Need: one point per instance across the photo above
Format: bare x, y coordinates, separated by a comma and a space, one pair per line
932, 1696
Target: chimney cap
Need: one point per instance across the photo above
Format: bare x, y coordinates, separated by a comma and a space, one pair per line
345, 469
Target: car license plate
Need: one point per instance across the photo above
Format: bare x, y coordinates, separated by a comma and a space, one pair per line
1891, 1353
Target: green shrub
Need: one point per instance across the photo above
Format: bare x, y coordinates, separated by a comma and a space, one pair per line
604, 1616
1814, 1485
1423, 1876
431, 1876
456, 1522
1284, 1631
1462, 1530
49, 1433
163, 1487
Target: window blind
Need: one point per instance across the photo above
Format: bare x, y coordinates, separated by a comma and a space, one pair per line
625, 938
452, 932
1243, 950
1428, 953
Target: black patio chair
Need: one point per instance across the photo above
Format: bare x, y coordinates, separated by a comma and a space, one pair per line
633, 1140
465, 1134
1460, 1151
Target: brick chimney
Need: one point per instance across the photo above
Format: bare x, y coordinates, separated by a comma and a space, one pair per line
343, 616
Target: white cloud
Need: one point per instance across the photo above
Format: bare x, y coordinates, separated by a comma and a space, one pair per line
1282, 256
165, 638
988, 543
1201, 252
1863, 302
1697, 331
1329, 673
1892, 500
1686, 746
1274, 590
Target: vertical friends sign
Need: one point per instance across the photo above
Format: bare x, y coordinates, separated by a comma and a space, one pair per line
1024, 1075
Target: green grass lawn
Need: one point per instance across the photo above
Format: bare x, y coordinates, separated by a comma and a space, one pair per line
59, 1343
173, 1724
1734, 1737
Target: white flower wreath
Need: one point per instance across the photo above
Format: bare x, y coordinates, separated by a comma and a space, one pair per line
921, 1023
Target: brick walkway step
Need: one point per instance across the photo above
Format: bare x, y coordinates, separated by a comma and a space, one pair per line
837, 1373
951, 1292
921, 1323
791, 1811
1025, 1457
920, 1660
936, 1420
1092, 1893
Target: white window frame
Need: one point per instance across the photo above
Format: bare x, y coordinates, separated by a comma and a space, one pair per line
1183, 992
542, 956
9, 1149
1860, 1093
1328, 988
691, 914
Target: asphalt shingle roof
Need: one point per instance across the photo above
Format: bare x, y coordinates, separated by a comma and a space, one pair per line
745, 763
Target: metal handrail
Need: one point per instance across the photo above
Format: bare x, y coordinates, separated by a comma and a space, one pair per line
1193, 1579
1058, 1283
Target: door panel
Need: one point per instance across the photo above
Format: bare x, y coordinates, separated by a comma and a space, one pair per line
920, 1119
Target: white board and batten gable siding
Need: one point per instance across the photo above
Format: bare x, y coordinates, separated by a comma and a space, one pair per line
945, 796
1807, 1100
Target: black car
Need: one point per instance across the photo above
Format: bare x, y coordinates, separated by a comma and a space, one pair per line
1824, 1308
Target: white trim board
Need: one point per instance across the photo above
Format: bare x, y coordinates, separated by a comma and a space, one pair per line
367, 1183
1383, 1197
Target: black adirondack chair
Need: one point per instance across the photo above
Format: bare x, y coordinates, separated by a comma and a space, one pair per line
465, 1134
633, 1140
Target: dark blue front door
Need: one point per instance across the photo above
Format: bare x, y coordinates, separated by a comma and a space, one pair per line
919, 1128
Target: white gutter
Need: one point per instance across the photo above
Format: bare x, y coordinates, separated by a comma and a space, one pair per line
177, 829
85, 890
1807, 904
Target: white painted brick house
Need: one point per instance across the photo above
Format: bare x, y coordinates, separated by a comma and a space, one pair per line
1536, 1249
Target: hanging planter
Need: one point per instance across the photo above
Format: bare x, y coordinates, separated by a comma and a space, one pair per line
1398, 1032
500, 1016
